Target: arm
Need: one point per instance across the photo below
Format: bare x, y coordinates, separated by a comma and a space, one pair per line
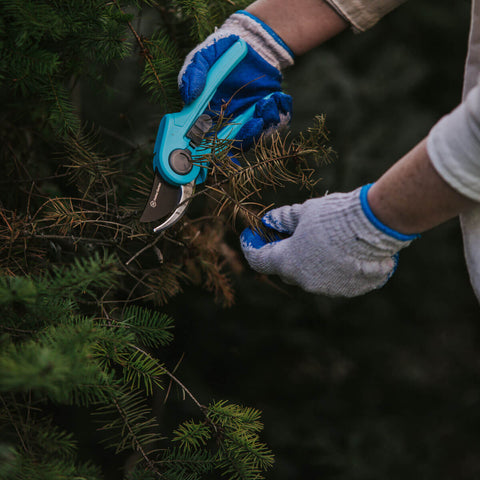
412, 197
439, 178
302, 24
347, 244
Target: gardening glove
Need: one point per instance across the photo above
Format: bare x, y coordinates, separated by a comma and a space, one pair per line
336, 246
257, 76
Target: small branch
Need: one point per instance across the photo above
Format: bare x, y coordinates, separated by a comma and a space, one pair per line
33, 181
145, 51
17, 330
138, 445
146, 247
73, 239
14, 423
174, 378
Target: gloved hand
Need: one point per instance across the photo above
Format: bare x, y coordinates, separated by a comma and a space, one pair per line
257, 76
336, 246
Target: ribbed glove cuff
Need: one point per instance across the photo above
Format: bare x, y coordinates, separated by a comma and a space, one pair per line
260, 37
345, 213
371, 229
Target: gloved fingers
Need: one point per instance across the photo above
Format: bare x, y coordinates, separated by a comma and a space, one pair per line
283, 219
391, 269
251, 239
270, 114
249, 133
192, 76
260, 253
255, 239
276, 110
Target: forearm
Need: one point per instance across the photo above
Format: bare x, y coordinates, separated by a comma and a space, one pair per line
302, 24
412, 197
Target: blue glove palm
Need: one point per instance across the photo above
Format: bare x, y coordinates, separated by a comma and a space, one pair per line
257, 76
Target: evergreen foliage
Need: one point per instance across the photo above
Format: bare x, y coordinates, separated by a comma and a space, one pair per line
81, 279
53, 354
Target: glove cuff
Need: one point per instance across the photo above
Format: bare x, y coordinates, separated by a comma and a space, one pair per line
262, 38
376, 222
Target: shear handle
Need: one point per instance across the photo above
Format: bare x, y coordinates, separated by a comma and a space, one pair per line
174, 128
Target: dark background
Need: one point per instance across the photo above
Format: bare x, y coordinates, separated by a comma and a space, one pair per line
385, 386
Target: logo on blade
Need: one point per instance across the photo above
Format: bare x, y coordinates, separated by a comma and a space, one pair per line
153, 202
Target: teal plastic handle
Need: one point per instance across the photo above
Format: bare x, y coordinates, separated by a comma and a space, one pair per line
230, 131
174, 127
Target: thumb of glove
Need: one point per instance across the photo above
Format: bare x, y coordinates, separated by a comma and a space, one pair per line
261, 254
284, 219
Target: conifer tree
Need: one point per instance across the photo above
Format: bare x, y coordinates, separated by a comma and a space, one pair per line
82, 281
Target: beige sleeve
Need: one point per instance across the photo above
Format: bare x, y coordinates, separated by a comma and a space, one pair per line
363, 14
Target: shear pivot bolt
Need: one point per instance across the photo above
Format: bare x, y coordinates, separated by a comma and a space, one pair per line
181, 161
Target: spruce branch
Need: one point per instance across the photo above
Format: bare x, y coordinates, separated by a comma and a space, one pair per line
149, 58
173, 378
134, 424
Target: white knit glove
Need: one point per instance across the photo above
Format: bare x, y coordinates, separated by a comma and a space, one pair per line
336, 246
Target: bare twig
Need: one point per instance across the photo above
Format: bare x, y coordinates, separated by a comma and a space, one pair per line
146, 247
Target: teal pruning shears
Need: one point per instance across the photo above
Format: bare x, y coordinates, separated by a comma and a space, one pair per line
179, 141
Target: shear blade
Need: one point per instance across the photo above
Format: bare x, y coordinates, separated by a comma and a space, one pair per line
163, 200
185, 197
167, 201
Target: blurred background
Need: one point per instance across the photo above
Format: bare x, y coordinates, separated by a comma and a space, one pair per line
386, 385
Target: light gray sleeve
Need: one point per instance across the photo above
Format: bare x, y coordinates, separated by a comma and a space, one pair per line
453, 145
363, 14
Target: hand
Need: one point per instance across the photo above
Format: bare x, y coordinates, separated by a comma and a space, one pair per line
257, 76
336, 246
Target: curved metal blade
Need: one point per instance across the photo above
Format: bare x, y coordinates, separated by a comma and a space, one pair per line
186, 195
163, 200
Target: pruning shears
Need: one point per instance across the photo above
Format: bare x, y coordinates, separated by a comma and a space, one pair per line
178, 146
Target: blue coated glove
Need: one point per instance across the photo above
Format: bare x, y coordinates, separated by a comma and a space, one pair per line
257, 76
336, 246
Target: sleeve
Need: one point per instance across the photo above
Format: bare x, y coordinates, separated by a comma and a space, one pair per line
453, 145
363, 14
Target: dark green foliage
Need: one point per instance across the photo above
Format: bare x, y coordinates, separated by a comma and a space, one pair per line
150, 328
98, 361
80, 278
235, 428
162, 57
32, 65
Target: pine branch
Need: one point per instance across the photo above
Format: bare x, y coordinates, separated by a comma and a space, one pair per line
151, 328
136, 425
174, 378
153, 77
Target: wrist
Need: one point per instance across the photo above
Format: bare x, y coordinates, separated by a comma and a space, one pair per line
302, 24
411, 196
261, 38
275, 36
375, 220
